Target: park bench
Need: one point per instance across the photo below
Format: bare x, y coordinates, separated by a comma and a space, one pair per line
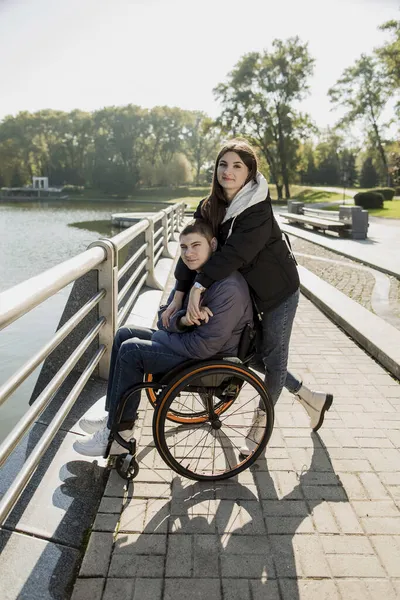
348, 221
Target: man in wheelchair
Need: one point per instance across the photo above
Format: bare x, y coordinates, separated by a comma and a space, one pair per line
226, 310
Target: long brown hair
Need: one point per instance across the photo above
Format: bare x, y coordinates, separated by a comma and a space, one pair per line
214, 206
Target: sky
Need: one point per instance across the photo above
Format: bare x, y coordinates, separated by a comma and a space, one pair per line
89, 54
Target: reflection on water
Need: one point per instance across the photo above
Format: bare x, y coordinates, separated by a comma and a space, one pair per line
34, 237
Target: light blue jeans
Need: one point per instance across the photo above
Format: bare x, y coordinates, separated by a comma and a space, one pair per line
276, 330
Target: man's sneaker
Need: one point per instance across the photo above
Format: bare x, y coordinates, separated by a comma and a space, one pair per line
316, 405
255, 432
96, 444
96, 417
93, 423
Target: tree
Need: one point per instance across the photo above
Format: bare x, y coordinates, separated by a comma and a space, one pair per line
368, 176
201, 141
258, 101
363, 92
389, 53
348, 170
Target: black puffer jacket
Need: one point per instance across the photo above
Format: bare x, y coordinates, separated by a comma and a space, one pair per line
255, 248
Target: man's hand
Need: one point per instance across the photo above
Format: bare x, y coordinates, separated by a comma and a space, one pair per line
205, 314
194, 308
173, 307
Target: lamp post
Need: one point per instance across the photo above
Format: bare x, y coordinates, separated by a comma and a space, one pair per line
344, 186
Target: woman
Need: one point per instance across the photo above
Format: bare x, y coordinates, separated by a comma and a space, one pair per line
240, 213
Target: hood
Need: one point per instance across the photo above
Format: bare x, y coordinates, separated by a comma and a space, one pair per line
251, 194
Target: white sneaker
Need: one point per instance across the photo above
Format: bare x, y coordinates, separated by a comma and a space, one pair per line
316, 404
255, 432
96, 444
95, 423
96, 417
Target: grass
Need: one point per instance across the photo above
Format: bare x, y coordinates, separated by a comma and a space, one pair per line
390, 210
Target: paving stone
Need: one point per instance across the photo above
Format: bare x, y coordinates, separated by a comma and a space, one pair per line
360, 589
117, 589
388, 549
373, 486
290, 525
345, 565
311, 555
380, 508
146, 589
110, 505
206, 556
390, 525
346, 544
324, 519
309, 589
252, 566
133, 516
157, 516
88, 588
345, 517
97, 556
124, 565
244, 518
140, 543
179, 556
106, 522
236, 589
195, 589
262, 589
152, 490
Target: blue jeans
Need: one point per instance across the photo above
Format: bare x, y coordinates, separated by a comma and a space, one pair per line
276, 330
134, 354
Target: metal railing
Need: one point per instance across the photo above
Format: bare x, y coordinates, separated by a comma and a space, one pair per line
113, 306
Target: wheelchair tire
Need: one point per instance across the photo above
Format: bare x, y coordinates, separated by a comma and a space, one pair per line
210, 449
183, 417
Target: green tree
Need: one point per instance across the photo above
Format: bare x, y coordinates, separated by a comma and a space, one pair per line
201, 142
363, 92
389, 53
348, 169
369, 176
259, 100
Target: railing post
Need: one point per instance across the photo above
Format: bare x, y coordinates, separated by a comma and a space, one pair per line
172, 225
166, 253
108, 306
151, 280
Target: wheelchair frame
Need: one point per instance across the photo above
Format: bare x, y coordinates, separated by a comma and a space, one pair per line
127, 465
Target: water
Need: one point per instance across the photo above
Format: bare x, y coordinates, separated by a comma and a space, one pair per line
33, 238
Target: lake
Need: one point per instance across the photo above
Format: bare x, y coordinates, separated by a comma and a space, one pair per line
33, 238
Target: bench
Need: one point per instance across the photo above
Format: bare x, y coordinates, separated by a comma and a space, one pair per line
348, 221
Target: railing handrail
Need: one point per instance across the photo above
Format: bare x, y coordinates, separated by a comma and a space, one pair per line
22, 298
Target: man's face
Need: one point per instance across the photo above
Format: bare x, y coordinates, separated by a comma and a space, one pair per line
195, 250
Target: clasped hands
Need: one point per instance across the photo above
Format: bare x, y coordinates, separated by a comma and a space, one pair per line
195, 314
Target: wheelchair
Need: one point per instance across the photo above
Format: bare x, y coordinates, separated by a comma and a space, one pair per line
202, 412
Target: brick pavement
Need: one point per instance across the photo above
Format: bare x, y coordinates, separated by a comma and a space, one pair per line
318, 518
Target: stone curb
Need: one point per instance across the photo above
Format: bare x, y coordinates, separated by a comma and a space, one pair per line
377, 337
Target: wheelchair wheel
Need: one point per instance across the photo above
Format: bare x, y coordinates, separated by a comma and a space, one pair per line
210, 448
190, 409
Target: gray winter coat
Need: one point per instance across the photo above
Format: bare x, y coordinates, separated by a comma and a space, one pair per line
229, 301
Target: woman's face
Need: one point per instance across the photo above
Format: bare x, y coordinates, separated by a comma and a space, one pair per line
231, 173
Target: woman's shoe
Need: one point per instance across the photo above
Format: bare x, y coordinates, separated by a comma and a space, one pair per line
316, 404
255, 432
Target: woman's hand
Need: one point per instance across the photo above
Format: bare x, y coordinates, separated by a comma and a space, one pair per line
205, 314
173, 307
193, 311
